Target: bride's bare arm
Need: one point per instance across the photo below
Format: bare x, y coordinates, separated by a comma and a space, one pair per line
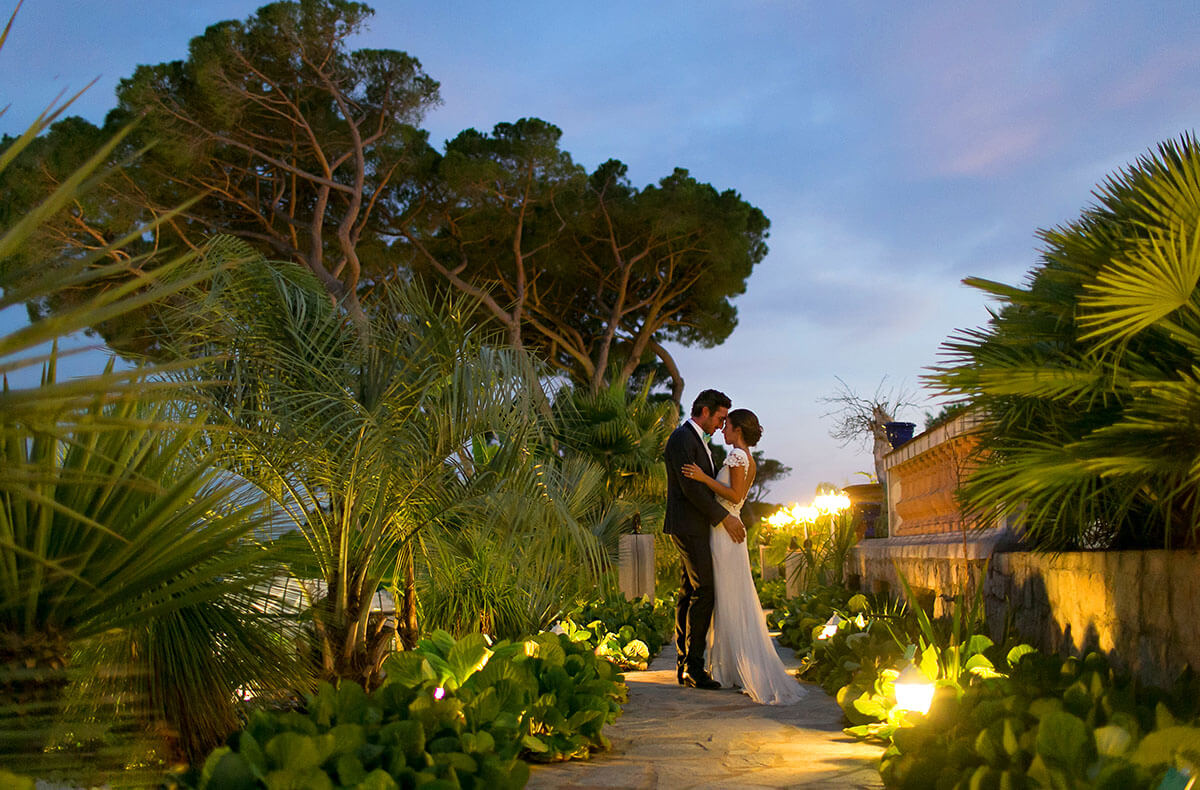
740, 482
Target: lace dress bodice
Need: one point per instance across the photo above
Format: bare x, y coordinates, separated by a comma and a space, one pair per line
736, 457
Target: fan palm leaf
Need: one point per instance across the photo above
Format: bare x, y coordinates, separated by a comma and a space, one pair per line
1086, 378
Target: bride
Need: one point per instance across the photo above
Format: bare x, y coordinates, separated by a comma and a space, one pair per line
740, 651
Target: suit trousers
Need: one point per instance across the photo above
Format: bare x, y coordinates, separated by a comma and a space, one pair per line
697, 596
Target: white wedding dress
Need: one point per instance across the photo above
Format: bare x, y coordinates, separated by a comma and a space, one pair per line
740, 651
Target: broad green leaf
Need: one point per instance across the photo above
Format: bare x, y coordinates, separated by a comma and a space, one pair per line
378, 779
637, 649
1010, 740
1014, 656
351, 703
1162, 746
1163, 718
1044, 706
978, 661
408, 668
929, 663
347, 738
294, 751
290, 778
869, 707
977, 644
224, 769
1064, 740
989, 747
408, 736
467, 656
534, 744
350, 770
1112, 740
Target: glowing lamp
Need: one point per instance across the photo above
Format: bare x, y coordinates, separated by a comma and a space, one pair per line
914, 691
830, 628
439, 692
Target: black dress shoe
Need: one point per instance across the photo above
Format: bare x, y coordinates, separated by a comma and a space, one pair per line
700, 680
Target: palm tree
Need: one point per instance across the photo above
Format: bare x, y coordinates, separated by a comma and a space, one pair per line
1087, 377
111, 523
526, 542
110, 531
625, 435
361, 439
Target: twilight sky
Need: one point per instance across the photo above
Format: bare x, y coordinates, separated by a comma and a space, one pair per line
894, 151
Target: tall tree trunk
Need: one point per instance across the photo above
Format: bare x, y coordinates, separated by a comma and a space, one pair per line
408, 629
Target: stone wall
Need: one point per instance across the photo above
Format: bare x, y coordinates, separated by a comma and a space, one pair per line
1142, 608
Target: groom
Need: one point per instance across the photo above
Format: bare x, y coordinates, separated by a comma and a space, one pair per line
692, 512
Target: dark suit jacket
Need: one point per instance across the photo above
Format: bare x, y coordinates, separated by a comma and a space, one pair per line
691, 507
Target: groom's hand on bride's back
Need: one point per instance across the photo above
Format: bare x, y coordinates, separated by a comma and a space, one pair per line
734, 526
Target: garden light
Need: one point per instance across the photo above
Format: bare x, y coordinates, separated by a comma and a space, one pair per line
828, 504
439, 692
787, 519
830, 628
805, 514
914, 692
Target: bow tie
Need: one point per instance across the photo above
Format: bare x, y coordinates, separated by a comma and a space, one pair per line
706, 436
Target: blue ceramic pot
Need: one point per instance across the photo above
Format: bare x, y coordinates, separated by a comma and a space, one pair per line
898, 432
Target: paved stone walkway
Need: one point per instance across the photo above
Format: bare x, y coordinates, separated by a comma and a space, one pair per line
672, 738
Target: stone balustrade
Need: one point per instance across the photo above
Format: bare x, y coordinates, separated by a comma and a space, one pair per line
922, 476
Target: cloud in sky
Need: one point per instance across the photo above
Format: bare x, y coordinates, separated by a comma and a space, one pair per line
895, 148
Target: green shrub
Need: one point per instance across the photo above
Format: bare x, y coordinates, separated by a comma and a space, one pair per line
1001, 717
450, 714
628, 633
399, 736
772, 594
559, 692
796, 618
1051, 722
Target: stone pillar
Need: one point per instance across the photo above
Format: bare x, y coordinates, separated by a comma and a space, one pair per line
635, 567
770, 570
792, 573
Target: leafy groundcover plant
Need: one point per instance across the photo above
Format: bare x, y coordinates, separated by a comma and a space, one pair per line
1003, 716
628, 633
1052, 722
771, 593
450, 714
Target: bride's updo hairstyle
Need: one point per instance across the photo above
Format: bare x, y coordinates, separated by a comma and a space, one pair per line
746, 422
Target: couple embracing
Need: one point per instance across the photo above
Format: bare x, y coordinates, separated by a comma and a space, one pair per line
718, 607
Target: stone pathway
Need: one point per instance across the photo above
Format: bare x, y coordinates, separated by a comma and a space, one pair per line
672, 738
